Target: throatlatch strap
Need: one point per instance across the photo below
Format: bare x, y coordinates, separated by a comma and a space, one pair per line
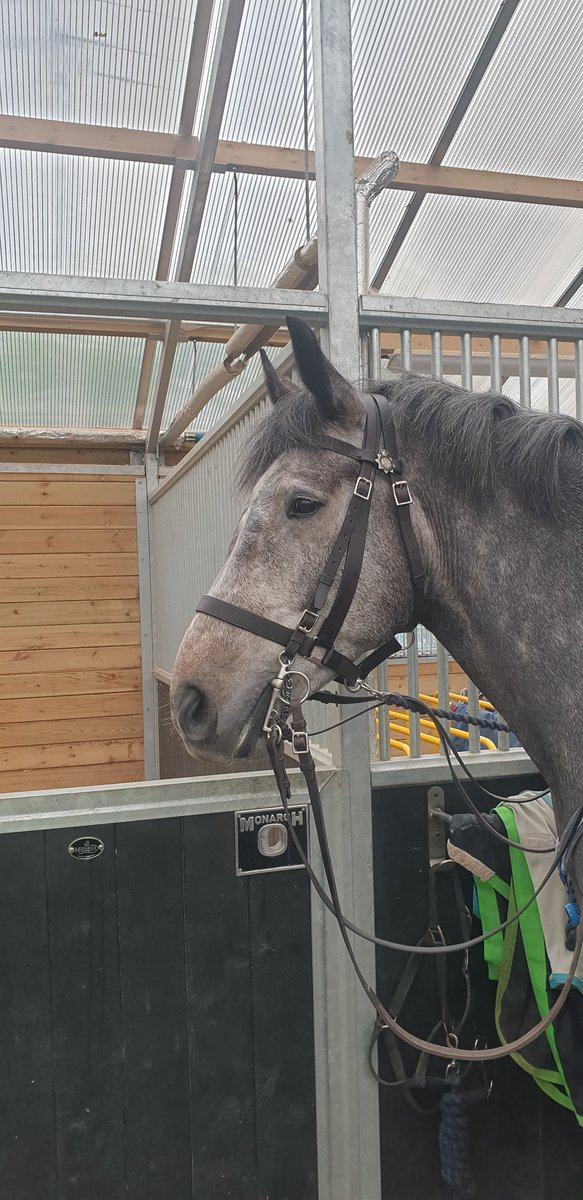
402, 499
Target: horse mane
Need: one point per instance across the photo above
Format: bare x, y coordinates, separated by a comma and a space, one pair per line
479, 440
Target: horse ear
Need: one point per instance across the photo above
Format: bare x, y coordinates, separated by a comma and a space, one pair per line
335, 396
276, 387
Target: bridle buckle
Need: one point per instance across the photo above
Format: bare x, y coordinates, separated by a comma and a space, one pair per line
300, 742
402, 493
307, 621
363, 487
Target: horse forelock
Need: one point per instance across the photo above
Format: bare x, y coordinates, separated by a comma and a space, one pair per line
294, 423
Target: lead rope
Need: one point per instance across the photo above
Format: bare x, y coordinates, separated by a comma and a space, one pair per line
298, 736
454, 1141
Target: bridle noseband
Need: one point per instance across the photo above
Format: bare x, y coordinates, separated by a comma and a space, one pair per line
378, 453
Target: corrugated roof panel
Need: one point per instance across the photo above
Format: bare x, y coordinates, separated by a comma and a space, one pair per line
80, 216
265, 99
488, 250
120, 62
411, 60
271, 226
526, 117
577, 301
68, 379
385, 215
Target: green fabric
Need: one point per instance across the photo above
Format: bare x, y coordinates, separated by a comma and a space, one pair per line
500, 957
490, 918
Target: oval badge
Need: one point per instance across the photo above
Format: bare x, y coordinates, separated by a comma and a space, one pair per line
86, 847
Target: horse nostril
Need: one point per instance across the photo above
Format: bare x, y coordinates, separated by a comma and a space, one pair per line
190, 707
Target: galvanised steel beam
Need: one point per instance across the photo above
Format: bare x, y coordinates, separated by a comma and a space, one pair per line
151, 299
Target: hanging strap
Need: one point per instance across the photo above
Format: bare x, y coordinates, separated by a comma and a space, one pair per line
300, 745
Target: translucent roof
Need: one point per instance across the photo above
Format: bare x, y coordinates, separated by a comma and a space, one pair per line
123, 63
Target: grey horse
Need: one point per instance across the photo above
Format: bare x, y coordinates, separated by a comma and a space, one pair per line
498, 513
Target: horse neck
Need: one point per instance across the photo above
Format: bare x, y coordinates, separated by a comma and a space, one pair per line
504, 599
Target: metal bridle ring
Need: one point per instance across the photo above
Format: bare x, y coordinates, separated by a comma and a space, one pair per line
301, 675
355, 687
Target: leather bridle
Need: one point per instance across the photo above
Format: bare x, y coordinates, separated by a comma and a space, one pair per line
379, 452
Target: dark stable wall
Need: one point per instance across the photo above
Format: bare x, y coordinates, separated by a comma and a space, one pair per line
524, 1146
156, 1030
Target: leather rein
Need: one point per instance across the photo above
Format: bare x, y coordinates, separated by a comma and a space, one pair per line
285, 722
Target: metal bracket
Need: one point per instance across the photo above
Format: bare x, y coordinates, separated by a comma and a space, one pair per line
436, 825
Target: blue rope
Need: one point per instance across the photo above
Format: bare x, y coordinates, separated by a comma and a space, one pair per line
454, 1143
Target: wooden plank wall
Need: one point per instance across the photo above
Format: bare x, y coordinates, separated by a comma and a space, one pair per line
70, 678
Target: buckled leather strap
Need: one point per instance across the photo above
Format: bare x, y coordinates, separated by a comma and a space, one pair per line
242, 618
403, 502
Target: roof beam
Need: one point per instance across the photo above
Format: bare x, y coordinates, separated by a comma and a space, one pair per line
26, 292
220, 74
190, 97
250, 159
222, 334
488, 50
570, 291
112, 327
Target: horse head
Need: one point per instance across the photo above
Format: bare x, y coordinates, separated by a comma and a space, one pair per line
296, 497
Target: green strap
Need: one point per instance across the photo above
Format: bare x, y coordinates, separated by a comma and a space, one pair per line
536, 956
490, 918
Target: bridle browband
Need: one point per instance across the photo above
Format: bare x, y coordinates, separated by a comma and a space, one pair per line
378, 452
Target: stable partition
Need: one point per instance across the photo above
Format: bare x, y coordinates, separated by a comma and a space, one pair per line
70, 632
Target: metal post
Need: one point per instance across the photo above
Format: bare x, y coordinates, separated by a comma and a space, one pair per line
346, 1096
150, 707
369, 185
553, 369
496, 362
473, 693
524, 371
579, 379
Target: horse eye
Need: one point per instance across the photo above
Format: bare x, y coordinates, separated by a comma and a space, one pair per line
304, 506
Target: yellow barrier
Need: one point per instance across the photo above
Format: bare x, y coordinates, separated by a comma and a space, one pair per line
460, 700
425, 723
400, 746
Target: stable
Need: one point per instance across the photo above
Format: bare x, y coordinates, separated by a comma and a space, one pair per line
179, 1013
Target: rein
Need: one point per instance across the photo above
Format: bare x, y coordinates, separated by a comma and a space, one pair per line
285, 721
